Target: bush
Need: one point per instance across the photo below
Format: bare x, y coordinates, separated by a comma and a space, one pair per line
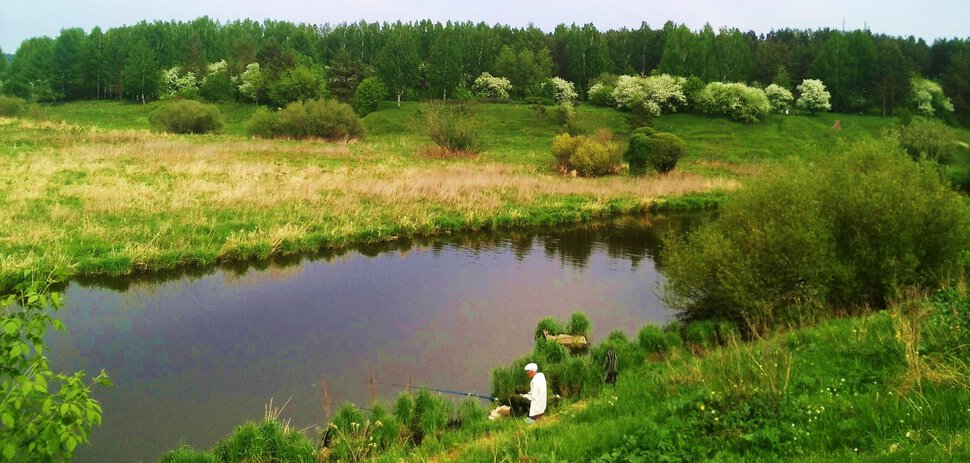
267, 441
549, 325
593, 159
653, 340
737, 101
314, 119
262, 124
659, 150
487, 86
779, 97
578, 325
653, 95
802, 242
562, 90
186, 454
928, 139
453, 126
368, 95
298, 84
701, 333
589, 156
12, 106
927, 98
186, 116
601, 95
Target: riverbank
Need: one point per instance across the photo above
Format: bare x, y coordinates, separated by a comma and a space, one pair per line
100, 194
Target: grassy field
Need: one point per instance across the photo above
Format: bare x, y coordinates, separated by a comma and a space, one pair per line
92, 190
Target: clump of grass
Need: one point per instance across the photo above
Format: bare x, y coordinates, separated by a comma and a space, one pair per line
186, 454
186, 116
654, 341
12, 106
269, 440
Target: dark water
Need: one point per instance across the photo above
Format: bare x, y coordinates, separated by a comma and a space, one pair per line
195, 354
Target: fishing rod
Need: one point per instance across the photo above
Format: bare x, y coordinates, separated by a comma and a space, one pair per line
443, 391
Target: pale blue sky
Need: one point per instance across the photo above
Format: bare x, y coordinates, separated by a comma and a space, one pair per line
929, 19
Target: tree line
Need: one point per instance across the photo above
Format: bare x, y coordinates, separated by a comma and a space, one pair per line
865, 72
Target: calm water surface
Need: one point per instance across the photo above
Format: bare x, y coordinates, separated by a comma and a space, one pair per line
194, 355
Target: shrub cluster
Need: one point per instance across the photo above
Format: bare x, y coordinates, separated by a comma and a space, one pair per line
326, 119
928, 139
12, 106
735, 100
488, 86
453, 126
654, 94
588, 156
186, 116
657, 150
813, 96
804, 241
779, 97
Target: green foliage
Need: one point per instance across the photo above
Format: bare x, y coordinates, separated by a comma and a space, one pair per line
601, 94
947, 326
12, 106
217, 84
430, 415
511, 379
589, 156
628, 354
800, 242
737, 101
579, 325
369, 93
300, 84
186, 116
927, 98
44, 415
813, 96
186, 454
387, 430
549, 352
453, 126
653, 340
701, 333
549, 325
658, 150
269, 440
326, 119
779, 97
928, 139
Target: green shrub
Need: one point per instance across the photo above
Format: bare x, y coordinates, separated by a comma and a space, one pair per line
370, 92
12, 106
578, 325
388, 432
186, 454
430, 415
563, 147
628, 354
601, 95
735, 100
186, 116
802, 241
947, 327
453, 126
548, 352
262, 124
298, 84
928, 139
658, 150
549, 325
701, 333
404, 411
267, 441
594, 158
576, 376
326, 119
653, 340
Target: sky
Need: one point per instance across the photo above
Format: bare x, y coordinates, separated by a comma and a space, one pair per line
927, 19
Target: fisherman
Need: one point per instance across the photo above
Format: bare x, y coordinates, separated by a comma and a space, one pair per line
537, 393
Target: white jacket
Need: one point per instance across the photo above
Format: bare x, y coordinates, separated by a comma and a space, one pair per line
537, 394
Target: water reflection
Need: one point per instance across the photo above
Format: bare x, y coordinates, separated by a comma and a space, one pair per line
196, 353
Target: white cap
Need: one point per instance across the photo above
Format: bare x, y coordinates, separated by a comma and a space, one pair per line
532, 367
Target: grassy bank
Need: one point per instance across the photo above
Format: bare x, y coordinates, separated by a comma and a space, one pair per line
102, 194
890, 386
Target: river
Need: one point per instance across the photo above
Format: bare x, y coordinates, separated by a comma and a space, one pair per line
196, 353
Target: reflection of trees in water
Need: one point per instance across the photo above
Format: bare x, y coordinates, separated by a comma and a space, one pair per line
630, 238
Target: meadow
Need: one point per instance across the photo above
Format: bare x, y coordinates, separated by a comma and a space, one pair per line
91, 189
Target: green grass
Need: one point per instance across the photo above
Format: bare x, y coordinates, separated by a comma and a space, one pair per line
101, 193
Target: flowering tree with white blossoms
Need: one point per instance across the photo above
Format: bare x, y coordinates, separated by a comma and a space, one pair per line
779, 97
489, 86
563, 90
928, 98
174, 81
653, 94
813, 96
251, 81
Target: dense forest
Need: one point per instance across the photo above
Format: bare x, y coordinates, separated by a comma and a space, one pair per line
276, 62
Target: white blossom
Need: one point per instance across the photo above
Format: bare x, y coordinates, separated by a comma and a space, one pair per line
779, 97
813, 96
251, 80
489, 86
653, 94
563, 90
